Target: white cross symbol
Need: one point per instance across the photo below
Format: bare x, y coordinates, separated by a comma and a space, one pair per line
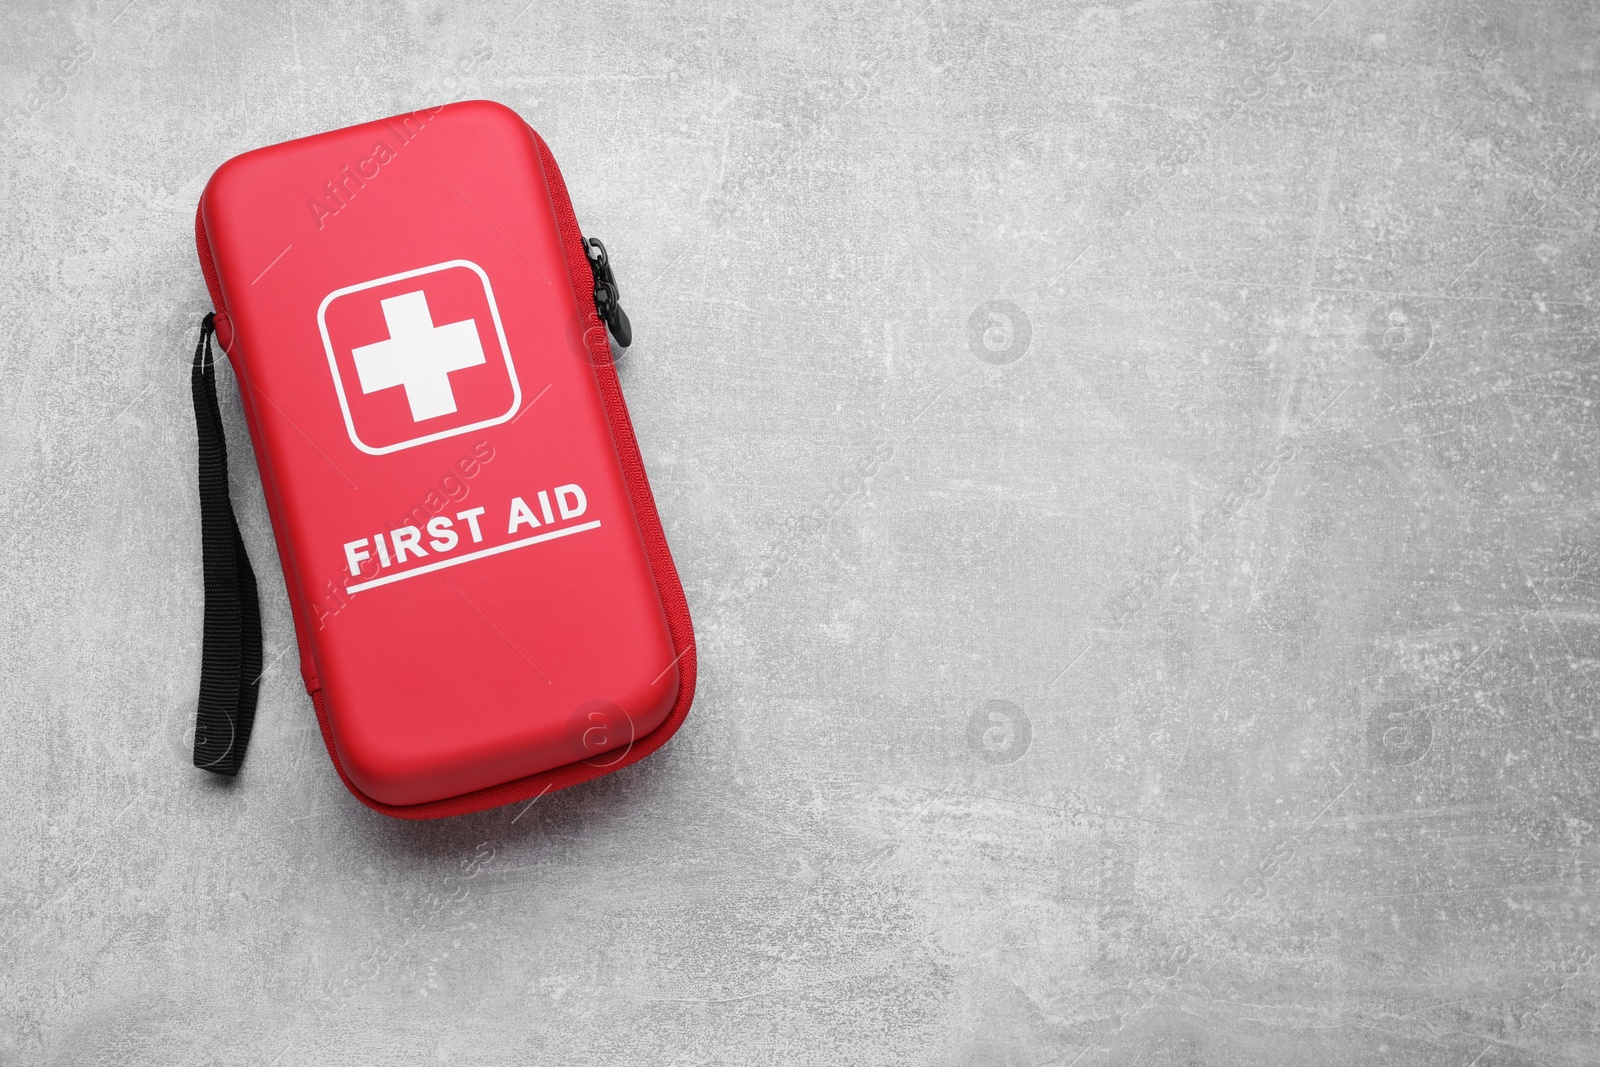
419, 356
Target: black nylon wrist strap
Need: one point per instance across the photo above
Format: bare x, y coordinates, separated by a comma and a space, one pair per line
230, 657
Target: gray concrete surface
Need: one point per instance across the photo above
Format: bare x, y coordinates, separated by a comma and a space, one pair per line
1132, 465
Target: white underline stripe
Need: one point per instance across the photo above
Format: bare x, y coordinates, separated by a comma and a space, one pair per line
470, 556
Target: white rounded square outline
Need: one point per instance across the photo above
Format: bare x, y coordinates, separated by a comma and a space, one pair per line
338, 383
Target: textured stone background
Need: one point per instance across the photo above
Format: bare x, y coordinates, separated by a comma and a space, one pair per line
1166, 432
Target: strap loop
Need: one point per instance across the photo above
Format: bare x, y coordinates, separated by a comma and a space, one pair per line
230, 657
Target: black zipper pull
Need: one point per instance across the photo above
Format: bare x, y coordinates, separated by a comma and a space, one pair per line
605, 292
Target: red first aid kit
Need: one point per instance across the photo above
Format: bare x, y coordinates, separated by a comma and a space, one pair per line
484, 602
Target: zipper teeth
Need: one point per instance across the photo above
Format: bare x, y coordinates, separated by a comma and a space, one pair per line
208, 266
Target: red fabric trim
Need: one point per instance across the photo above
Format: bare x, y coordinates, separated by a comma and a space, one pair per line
208, 266
668, 585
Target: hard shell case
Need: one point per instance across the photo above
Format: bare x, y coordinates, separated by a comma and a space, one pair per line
458, 659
